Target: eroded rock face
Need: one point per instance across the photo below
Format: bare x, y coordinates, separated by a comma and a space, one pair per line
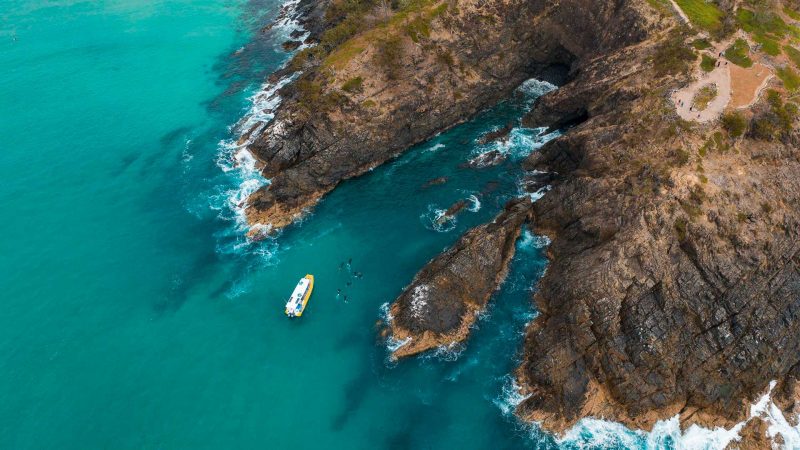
307, 151
674, 287
441, 303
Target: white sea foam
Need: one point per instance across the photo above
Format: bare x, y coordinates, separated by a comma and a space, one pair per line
530, 241
449, 353
234, 157
475, 204
533, 89
436, 219
435, 147
519, 143
597, 433
510, 397
769, 412
540, 193
386, 314
393, 344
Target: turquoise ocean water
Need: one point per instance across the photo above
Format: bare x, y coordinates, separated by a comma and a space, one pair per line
135, 315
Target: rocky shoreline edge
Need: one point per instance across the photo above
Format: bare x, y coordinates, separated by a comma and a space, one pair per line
673, 278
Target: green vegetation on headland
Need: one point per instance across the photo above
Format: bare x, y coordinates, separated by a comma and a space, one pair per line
773, 123
708, 63
355, 26
701, 44
763, 21
766, 27
791, 13
673, 56
739, 53
790, 78
703, 14
353, 85
793, 54
371, 20
704, 96
777, 122
735, 123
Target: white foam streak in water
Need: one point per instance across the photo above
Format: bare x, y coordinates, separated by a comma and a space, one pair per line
520, 141
436, 219
234, 157
386, 314
530, 241
475, 204
533, 89
595, 433
510, 396
393, 344
435, 147
667, 434
777, 423
449, 353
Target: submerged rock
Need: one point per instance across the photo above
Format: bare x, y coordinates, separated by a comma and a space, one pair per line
291, 45
434, 182
497, 135
441, 303
452, 211
487, 159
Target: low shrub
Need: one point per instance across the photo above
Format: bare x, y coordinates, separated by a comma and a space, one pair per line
708, 63
353, 85
389, 55
673, 57
739, 53
734, 123
790, 78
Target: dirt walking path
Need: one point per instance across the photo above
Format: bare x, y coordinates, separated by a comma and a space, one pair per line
683, 98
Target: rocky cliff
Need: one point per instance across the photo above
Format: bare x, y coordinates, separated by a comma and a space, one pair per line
443, 301
410, 76
674, 285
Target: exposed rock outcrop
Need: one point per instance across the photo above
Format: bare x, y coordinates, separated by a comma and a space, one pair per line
443, 301
674, 283
323, 134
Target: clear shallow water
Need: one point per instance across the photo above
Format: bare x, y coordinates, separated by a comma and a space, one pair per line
134, 314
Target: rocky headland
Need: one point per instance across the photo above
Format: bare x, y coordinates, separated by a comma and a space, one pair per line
443, 301
674, 279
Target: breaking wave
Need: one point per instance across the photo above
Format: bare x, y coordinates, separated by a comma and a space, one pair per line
239, 165
510, 396
530, 241
592, 433
436, 219
533, 89
474, 203
446, 353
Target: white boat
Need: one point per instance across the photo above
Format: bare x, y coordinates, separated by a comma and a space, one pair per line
299, 299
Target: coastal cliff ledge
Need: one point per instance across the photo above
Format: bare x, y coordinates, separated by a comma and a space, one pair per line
443, 301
